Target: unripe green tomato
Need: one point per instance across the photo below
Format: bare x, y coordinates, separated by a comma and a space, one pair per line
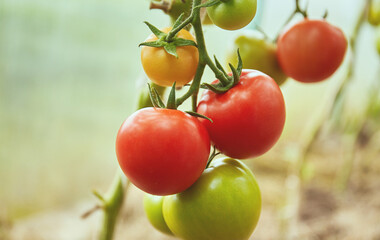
374, 13
206, 20
223, 204
257, 53
178, 7
232, 14
153, 210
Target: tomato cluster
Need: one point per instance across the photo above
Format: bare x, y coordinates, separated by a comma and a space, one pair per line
166, 152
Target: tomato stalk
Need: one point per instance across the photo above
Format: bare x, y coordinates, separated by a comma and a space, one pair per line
294, 13
204, 58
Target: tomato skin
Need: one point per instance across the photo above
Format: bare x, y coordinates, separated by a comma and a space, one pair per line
248, 119
232, 14
153, 211
311, 50
224, 204
162, 151
165, 69
259, 54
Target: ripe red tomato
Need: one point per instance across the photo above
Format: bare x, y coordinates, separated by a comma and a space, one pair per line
248, 119
311, 50
165, 69
162, 151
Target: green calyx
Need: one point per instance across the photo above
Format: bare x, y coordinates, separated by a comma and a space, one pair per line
165, 40
171, 103
223, 86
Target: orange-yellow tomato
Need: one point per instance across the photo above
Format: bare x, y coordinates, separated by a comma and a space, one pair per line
165, 69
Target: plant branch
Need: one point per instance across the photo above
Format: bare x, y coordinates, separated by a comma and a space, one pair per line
111, 206
204, 58
296, 10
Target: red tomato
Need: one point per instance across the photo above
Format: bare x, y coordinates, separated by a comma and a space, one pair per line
162, 151
248, 119
311, 50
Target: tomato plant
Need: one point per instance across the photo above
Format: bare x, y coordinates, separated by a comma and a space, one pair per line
224, 204
311, 50
232, 14
163, 68
162, 151
257, 53
153, 210
248, 119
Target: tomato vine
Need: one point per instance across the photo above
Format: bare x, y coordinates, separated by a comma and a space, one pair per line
111, 203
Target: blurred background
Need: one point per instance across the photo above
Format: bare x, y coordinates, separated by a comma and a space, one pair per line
70, 74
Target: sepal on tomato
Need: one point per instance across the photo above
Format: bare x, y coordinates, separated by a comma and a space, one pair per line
169, 45
171, 100
155, 97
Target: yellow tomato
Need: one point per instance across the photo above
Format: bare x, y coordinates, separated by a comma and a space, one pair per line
163, 68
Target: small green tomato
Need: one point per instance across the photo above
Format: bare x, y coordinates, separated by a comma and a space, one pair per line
257, 53
223, 204
153, 210
232, 14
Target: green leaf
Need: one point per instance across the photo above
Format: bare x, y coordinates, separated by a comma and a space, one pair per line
171, 100
171, 49
178, 21
155, 30
180, 42
195, 114
209, 3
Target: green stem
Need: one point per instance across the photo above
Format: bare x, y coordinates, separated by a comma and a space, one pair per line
194, 88
297, 10
112, 204
194, 102
197, 26
175, 30
204, 58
